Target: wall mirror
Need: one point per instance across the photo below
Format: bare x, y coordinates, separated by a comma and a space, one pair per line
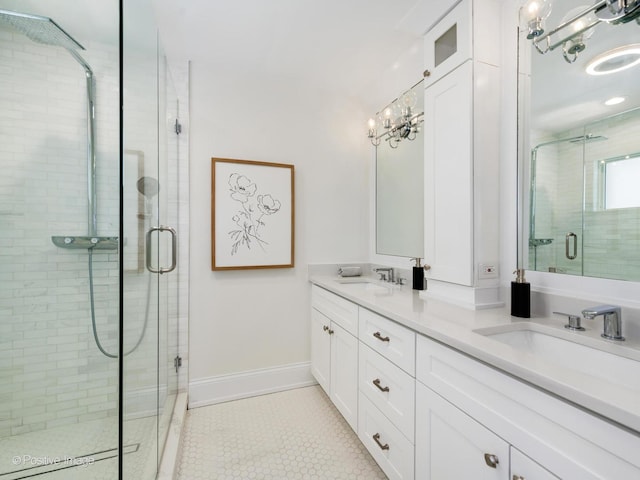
579, 146
399, 144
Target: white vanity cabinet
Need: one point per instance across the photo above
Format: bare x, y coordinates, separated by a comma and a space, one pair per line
523, 468
450, 444
461, 138
386, 417
478, 414
334, 350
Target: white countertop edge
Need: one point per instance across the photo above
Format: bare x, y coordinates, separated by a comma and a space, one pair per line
433, 318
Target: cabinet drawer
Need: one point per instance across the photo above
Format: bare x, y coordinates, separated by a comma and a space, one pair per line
389, 448
389, 339
388, 388
341, 311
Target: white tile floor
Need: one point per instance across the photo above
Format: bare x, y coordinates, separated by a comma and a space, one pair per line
297, 434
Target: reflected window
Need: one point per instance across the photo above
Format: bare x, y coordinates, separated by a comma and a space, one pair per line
621, 182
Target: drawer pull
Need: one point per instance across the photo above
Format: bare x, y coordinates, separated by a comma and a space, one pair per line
376, 438
376, 382
491, 460
380, 337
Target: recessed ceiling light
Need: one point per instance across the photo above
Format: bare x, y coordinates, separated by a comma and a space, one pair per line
614, 101
615, 60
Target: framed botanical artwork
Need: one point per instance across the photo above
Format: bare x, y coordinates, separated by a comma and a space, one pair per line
252, 214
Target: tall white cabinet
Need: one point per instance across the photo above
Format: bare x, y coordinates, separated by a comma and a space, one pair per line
461, 134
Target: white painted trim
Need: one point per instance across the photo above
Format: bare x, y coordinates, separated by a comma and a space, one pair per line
223, 388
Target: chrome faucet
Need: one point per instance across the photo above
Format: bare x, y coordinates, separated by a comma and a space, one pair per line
383, 271
612, 320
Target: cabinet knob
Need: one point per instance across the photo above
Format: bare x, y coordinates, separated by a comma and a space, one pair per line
330, 332
376, 438
426, 73
518, 477
491, 460
325, 328
427, 267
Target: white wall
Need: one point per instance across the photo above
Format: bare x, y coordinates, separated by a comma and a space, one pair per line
254, 319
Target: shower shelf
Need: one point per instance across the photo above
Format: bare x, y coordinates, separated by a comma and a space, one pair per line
95, 243
537, 242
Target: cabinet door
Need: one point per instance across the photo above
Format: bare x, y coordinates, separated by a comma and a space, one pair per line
523, 468
448, 209
344, 374
321, 349
450, 444
448, 43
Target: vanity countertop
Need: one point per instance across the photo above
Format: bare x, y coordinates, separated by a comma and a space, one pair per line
454, 326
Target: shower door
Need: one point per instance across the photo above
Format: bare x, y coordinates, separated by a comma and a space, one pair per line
150, 272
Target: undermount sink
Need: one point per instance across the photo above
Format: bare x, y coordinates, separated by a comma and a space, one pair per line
615, 363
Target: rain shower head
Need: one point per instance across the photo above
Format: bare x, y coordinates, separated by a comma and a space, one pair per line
589, 137
39, 29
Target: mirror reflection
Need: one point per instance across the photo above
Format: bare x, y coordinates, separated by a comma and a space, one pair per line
581, 154
399, 144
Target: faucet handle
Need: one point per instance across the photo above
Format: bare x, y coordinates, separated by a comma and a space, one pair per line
573, 321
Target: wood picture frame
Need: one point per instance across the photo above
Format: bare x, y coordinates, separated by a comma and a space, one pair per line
252, 214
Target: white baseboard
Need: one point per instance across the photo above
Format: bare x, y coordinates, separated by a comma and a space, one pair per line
223, 388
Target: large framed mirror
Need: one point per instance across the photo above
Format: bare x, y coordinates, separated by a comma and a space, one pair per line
399, 142
579, 127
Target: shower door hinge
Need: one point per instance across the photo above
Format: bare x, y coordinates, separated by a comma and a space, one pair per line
177, 362
178, 127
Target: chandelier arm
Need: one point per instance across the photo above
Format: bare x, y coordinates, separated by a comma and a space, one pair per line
588, 10
574, 35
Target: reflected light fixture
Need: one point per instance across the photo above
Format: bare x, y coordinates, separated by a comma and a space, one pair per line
615, 60
614, 101
577, 25
535, 12
398, 121
580, 28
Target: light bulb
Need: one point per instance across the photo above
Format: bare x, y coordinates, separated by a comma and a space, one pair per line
577, 32
371, 123
533, 14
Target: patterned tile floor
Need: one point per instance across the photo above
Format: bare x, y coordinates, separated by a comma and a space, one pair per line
297, 434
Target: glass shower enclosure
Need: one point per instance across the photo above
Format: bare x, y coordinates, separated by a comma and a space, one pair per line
89, 229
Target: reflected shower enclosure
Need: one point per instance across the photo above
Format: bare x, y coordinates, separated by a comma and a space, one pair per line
89, 333
584, 206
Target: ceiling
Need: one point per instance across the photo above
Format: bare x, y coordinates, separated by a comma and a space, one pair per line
330, 43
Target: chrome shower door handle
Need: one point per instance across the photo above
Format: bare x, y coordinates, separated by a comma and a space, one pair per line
567, 241
161, 270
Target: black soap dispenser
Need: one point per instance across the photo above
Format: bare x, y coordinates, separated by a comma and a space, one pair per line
418, 274
520, 296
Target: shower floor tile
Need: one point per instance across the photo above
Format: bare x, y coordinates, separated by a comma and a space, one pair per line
54, 454
297, 434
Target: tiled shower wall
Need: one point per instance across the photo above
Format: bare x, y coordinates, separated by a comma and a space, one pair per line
50, 368
52, 373
608, 243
